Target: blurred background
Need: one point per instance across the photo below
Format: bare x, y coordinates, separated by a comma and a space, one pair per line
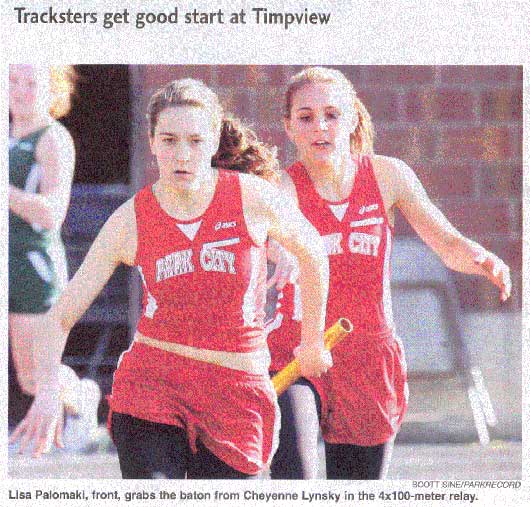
458, 127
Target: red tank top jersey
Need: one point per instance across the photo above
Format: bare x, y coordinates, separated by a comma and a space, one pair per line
204, 286
358, 240
204, 279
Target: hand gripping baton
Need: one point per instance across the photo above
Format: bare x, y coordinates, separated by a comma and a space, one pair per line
286, 376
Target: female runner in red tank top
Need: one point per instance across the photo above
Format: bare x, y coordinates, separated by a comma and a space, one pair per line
349, 194
192, 396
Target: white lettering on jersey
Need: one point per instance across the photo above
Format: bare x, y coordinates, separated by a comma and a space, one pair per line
364, 244
367, 221
214, 259
367, 209
174, 264
332, 242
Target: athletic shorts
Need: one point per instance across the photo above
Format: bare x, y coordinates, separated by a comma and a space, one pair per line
366, 391
33, 282
233, 413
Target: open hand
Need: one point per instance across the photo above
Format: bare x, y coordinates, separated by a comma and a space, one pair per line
496, 271
43, 425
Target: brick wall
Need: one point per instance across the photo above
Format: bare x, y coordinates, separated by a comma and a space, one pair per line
459, 128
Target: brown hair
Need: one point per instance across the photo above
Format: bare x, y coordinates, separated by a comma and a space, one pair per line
239, 148
63, 79
362, 140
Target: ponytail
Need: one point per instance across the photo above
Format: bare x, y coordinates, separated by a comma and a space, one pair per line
362, 140
240, 150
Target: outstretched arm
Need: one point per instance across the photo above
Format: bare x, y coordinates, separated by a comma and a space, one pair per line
115, 244
456, 251
269, 214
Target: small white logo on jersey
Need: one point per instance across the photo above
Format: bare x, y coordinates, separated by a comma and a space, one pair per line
224, 225
367, 209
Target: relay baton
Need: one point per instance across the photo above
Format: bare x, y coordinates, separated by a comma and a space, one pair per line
286, 376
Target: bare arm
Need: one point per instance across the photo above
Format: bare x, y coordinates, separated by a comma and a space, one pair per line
456, 251
286, 266
115, 244
56, 155
269, 214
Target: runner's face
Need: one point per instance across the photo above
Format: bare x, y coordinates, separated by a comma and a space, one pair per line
184, 143
28, 90
322, 119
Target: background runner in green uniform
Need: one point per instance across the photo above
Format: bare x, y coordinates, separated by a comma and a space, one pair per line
41, 166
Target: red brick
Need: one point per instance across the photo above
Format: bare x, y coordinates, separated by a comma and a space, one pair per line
250, 75
382, 104
479, 143
473, 74
454, 105
421, 104
445, 180
275, 75
517, 142
237, 101
434, 104
475, 218
156, 76
414, 145
269, 107
501, 180
388, 75
277, 138
502, 104
351, 72
518, 222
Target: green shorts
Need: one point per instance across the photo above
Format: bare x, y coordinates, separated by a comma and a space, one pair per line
33, 284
